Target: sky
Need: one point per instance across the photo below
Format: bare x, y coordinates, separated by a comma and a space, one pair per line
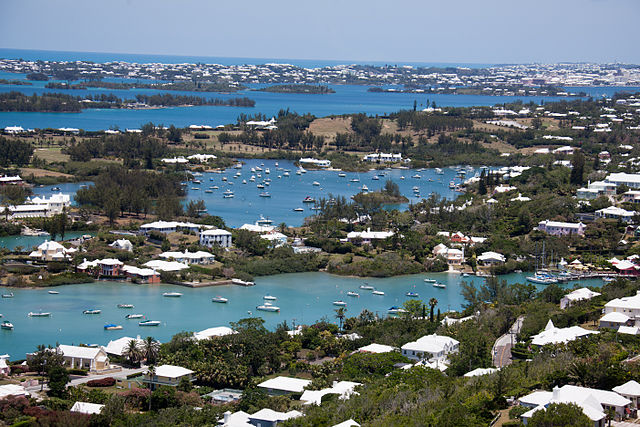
456, 31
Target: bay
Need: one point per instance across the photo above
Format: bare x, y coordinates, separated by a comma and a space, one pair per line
303, 298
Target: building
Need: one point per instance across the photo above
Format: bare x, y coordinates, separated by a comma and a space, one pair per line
117, 347
630, 390
86, 408
263, 418
631, 180
453, 256
284, 385
166, 227
344, 390
169, 266
478, 372
217, 237
315, 162
593, 402
614, 320
430, 347
491, 258
219, 331
376, 348
94, 359
596, 189
613, 212
257, 228
383, 158
122, 244
55, 204
168, 375
577, 295
11, 180
226, 395
631, 196
141, 275
553, 335
557, 228
7, 390
275, 238
51, 251
198, 257
626, 305
366, 237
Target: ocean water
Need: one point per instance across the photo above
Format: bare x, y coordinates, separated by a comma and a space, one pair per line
303, 298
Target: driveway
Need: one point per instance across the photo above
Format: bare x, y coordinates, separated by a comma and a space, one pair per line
501, 352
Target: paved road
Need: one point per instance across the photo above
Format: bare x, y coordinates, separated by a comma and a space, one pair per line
81, 380
501, 352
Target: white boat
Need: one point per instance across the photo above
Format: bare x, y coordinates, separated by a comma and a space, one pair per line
269, 298
208, 191
112, 327
6, 325
366, 287
355, 180
286, 174
93, 311
265, 194
134, 316
452, 184
267, 307
238, 166
353, 294
340, 303
316, 183
172, 294
412, 294
267, 170
416, 176
215, 187
396, 310
402, 177
220, 299
439, 285
54, 292
430, 280
298, 210
439, 171
342, 174
542, 279
377, 293
228, 196
260, 185
10, 295
375, 178
149, 323
365, 188
264, 221
125, 305
39, 314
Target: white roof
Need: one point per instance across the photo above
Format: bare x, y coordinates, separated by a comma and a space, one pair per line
270, 415
480, 371
48, 245
580, 294
560, 224
171, 371
256, 228
613, 210
632, 302
553, 335
237, 419
159, 264
615, 317
118, 346
629, 330
143, 272
219, 331
12, 390
624, 177
491, 256
376, 348
344, 390
186, 255
79, 352
295, 385
370, 234
109, 261
630, 388
431, 344
572, 393
86, 408
216, 232
348, 423
273, 235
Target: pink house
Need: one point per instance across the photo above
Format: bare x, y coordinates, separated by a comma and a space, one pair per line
557, 228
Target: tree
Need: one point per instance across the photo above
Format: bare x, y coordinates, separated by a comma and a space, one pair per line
340, 315
150, 349
174, 134
132, 352
58, 378
560, 415
413, 308
432, 304
577, 168
45, 359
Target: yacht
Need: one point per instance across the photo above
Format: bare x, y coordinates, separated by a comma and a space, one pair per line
416, 176
316, 183
412, 294
125, 305
134, 316
298, 172
266, 171
208, 191
355, 180
452, 185
92, 311
430, 280
298, 210
269, 297
244, 181
54, 292
238, 165
377, 293
220, 299
267, 307
308, 199
439, 171
6, 325
396, 310
112, 327
39, 314
10, 295
402, 177
172, 294
366, 287
265, 194
215, 187
375, 178
353, 294
228, 196
340, 303
542, 278
439, 285
260, 185
264, 221
365, 188
342, 174
149, 323
286, 174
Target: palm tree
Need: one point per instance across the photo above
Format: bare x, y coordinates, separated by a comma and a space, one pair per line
340, 315
132, 352
432, 303
150, 349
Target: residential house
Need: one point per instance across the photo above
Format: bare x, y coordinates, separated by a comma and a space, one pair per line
614, 320
491, 258
197, 257
166, 227
7, 390
94, 359
613, 212
577, 295
315, 162
122, 244
366, 237
344, 390
284, 385
557, 228
376, 348
275, 238
626, 305
168, 375
213, 237
631, 180
52, 251
170, 266
430, 347
630, 390
55, 204
86, 408
453, 256
553, 335
141, 275
219, 331
118, 347
382, 157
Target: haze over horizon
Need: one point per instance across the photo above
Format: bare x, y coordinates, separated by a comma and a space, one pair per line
460, 31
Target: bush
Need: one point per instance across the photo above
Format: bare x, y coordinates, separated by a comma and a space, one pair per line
56, 267
103, 382
200, 136
76, 371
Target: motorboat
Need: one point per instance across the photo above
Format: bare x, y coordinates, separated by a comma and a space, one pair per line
172, 294
244, 181
260, 186
6, 325
134, 316
452, 185
430, 280
267, 170
308, 199
354, 180
439, 285
10, 295
267, 307
53, 292
377, 293
542, 279
149, 323
375, 178
396, 310
416, 176
215, 187
316, 183
208, 191
365, 188
353, 294
298, 210
238, 166
264, 221
39, 314
265, 194
340, 303
92, 311
220, 299
269, 298
342, 174
55, 188
228, 196
412, 294
366, 287
286, 174
439, 171
112, 327
125, 305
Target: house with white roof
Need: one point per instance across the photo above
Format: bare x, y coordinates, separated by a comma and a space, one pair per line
574, 296
197, 257
169, 266
630, 390
478, 372
366, 237
55, 204
263, 418
122, 244
430, 347
275, 238
218, 331
167, 227
169, 375
383, 157
376, 348
51, 251
593, 402
452, 255
553, 335
631, 180
626, 305
613, 212
86, 408
315, 162
117, 347
557, 228
175, 161
344, 390
491, 258
284, 385
202, 158
94, 359
141, 275
614, 320
13, 390
11, 180
217, 237
257, 228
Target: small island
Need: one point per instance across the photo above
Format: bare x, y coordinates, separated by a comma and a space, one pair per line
389, 195
298, 88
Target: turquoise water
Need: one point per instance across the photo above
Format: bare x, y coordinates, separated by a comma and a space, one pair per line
302, 297
28, 242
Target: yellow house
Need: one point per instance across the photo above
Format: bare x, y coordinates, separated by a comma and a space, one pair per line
94, 359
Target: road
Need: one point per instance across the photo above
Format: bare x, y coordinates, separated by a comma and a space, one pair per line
501, 352
81, 380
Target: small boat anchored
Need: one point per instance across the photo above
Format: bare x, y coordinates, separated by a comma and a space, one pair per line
412, 294
149, 323
7, 295
53, 292
220, 299
39, 314
7, 325
112, 327
439, 285
92, 311
268, 307
125, 305
353, 294
340, 303
134, 316
367, 287
172, 294
377, 293
269, 298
